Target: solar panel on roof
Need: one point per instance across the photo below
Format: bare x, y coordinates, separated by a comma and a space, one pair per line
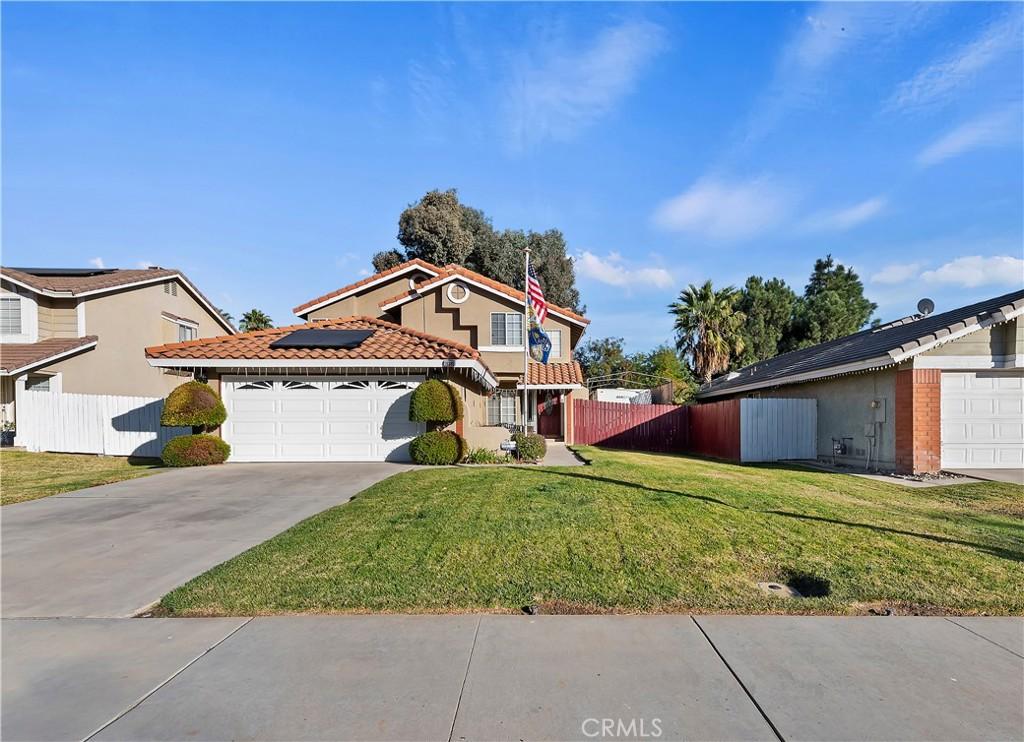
337, 339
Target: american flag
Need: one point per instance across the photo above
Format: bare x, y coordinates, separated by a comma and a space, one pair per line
535, 296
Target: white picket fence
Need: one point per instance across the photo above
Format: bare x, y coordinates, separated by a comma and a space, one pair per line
91, 423
778, 429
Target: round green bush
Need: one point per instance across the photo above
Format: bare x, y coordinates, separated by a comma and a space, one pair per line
193, 405
438, 447
435, 401
195, 450
530, 446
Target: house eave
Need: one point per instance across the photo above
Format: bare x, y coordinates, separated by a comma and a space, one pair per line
230, 364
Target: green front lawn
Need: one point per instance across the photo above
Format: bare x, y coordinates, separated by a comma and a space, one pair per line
29, 476
633, 533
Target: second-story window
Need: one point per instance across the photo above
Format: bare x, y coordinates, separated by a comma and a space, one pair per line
185, 332
506, 328
10, 315
556, 343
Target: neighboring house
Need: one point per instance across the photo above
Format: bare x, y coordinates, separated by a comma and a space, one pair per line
345, 396
924, 393
83, 332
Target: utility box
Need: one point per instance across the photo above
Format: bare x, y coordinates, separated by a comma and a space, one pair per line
878, 408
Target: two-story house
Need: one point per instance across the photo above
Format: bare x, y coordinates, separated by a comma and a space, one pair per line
83, 331
337, 387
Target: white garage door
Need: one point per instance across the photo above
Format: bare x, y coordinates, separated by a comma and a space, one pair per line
983, 419
319, 419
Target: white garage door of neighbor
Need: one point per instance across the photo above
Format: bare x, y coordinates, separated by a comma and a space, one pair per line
982, 419
319, 419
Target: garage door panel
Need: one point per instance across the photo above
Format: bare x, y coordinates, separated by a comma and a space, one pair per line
244, 451
253, 427
302, 427
982, 423
352, 405
250, 404
301, 406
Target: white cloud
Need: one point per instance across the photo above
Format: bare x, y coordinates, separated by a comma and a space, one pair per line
938, 82
974, 270
722, 210
555, 90
614, 271
827, 35
989, 130
896, 273
97, 263
848, 217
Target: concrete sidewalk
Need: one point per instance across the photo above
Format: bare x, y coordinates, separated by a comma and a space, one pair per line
514, 677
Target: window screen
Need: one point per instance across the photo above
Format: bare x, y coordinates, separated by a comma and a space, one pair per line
10, 315
506, 328
501, 409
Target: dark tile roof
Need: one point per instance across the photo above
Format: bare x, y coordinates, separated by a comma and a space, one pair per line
887, 344
77, 283
20, 355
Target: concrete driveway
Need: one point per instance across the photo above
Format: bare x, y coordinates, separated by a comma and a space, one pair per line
110, 551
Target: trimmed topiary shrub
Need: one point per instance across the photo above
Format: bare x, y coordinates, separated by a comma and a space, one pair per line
193, 405
438, 447
530, 446
195, 450
435, 401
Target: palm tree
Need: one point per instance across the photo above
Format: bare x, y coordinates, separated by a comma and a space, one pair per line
255, 319
226, 316
708, 327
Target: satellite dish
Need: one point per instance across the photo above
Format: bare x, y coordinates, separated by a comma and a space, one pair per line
926, 306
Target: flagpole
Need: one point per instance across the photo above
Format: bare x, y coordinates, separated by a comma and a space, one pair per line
526, 342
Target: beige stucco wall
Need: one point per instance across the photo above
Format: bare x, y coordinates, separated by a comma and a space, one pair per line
127, 322
470, 323
1002, 340
844, 408
367, 302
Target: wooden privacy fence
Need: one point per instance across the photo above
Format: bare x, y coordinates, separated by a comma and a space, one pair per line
735, 430
639, 427
92, 423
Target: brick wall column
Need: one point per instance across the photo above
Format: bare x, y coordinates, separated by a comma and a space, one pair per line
918, 430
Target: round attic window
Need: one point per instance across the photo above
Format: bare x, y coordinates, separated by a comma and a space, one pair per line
458, 292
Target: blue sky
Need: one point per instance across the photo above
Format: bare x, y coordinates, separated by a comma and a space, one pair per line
267, 150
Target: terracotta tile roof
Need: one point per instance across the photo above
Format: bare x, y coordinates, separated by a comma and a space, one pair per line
19, 355
555, 373
369, 279
78, 284
457, 270
388, 342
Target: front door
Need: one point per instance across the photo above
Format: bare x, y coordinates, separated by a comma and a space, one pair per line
549, 414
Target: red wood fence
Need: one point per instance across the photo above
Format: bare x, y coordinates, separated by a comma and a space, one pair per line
640, 427
715, 430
